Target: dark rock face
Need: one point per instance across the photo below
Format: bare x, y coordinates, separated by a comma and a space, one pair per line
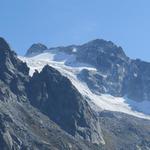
36, 49
56, 97
101, 54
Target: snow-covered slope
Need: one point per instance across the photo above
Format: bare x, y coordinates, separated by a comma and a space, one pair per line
69, 67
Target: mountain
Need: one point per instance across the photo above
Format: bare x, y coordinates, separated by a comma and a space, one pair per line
53, 99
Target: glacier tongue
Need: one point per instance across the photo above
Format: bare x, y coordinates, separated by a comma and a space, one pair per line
69, 67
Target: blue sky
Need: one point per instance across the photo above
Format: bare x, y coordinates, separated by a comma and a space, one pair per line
64, 22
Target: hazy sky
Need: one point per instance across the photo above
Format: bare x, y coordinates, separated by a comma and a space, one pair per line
64, 22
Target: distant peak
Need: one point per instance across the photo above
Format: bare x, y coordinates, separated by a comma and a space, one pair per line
38, 45
97, 40
36, 48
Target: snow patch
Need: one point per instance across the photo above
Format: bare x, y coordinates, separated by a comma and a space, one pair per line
135, 74
74, 50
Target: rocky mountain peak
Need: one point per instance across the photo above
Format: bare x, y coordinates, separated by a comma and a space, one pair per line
104, 47
100, 42
36, 49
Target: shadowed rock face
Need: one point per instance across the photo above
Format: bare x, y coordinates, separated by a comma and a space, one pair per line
46, 112
56, 97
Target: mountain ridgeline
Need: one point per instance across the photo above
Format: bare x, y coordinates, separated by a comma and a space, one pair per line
47, 112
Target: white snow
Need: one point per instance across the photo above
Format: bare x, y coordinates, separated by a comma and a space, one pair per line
69, 67
74, 50
135, 74
143, 106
